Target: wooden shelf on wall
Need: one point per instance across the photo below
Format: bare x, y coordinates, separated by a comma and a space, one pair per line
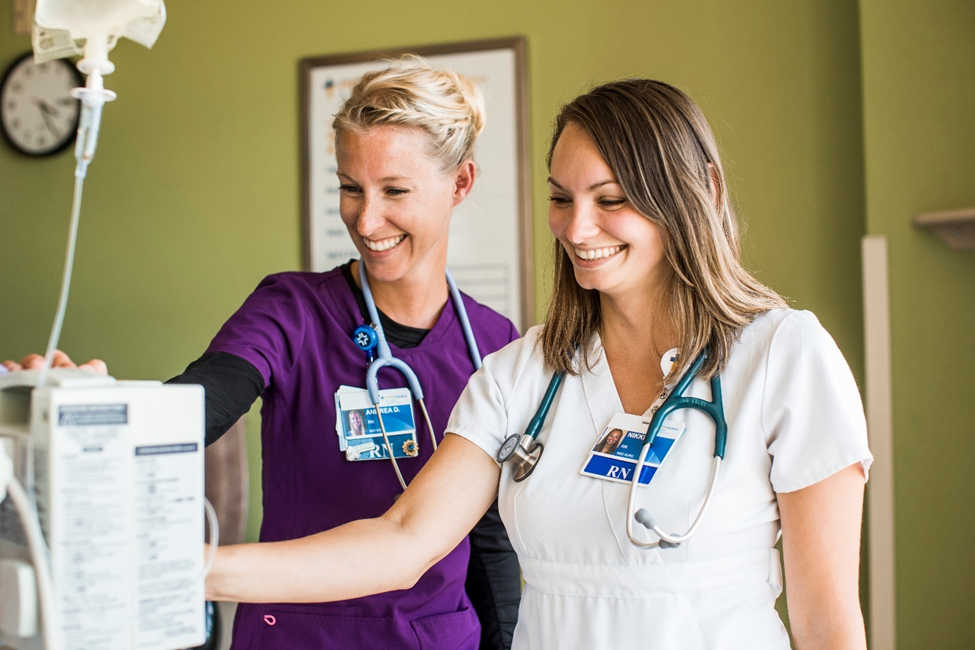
956, 227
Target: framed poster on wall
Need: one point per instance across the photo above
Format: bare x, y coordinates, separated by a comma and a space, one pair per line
490, 251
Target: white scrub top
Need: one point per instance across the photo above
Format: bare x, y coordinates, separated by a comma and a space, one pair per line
794, 418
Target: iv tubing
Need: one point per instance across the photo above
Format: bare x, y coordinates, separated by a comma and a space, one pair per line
66, 280
42, 566
93, 96
211, 515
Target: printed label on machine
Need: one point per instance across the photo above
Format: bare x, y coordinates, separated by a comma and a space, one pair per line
84, 415
92, 480
125, 518
357, 424
167, 514
616, 452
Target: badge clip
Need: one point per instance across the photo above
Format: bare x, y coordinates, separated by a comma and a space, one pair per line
366, 339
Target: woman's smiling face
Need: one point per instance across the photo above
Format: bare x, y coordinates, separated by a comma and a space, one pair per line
396, 200
614, 249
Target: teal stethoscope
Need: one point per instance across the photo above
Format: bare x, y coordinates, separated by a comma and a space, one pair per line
371, 337
523, 450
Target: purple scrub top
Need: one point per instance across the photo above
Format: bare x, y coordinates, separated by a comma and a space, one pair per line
296, 329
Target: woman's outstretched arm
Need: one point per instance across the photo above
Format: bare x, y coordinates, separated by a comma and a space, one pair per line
369, 556
821, 542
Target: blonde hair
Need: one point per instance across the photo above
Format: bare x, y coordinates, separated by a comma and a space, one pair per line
447, 106
664, 155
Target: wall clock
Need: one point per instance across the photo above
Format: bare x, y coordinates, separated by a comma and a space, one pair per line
38, 115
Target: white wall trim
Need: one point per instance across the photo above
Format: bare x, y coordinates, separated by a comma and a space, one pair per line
880, 490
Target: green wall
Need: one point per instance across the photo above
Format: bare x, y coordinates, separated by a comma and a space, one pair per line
194, 193
919, 116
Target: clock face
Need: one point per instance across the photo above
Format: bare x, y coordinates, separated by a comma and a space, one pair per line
38, 115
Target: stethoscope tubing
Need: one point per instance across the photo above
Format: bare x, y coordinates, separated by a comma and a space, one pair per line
524, 451
643, 517
676, 401
535, 424
384, 358
465, 323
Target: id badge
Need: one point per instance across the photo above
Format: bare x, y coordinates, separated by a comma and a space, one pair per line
616, 452
357, 423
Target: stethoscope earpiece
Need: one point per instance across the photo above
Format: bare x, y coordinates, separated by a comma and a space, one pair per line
644, 518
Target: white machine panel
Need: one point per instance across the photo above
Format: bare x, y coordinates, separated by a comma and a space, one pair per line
118, 477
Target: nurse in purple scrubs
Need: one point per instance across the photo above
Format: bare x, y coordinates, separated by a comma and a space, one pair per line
405, 144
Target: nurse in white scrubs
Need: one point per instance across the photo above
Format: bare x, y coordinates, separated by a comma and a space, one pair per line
646, 260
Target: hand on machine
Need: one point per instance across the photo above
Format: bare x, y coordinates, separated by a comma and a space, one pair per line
60, 360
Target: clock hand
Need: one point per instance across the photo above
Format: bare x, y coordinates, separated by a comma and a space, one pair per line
46, 108
52, 127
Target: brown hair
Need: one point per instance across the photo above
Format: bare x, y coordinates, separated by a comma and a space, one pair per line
664, 155
447, 106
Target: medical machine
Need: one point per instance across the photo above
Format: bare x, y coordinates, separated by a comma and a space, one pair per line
101, 536
114, 473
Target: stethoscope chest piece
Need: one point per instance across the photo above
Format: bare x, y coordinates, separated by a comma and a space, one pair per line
524, 451
508, 448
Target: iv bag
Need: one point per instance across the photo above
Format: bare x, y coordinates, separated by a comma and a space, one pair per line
59, 25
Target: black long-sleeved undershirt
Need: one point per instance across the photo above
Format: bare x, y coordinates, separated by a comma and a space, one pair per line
232, 384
